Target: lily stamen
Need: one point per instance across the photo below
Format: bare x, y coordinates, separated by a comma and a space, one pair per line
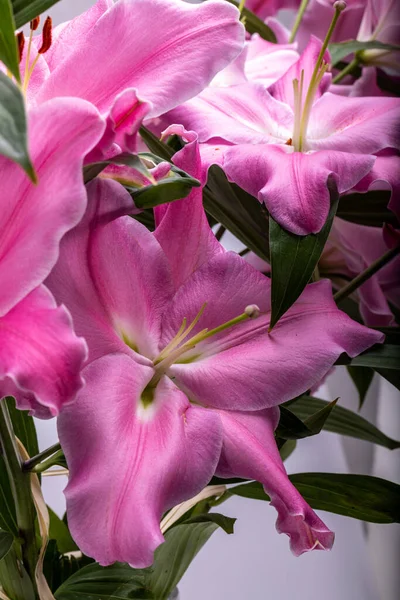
302, 111
46, 44
180, 336
173, 351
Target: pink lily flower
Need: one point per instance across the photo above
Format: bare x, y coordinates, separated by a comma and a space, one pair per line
315, 21
269, 8
381, 21
260, 61
134, 58
180, 364
283, 144
40, 355
350, 250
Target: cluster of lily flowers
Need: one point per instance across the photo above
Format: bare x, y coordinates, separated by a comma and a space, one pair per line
154, 349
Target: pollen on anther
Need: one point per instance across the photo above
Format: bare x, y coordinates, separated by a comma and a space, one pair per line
46, 36
289, 142
252, 311
34, 24
21, 44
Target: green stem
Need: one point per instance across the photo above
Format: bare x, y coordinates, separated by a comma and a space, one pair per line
38, 458
220, 232
365, 275
299, 18
21, 490
50, 462
348, 70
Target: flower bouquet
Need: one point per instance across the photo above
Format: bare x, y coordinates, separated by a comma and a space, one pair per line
134, 139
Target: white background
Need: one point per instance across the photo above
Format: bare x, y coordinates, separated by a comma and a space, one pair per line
255, 563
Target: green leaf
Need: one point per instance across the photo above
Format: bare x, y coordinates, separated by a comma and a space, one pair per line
392, 375
172, 558
58, 568
237, 211
343, 49
26, 10
255, 25
290, 427
227, 203
24, 427
294, 258
226, 523
60, 533
8, 520
91, 170
13, 139
178, 184
287, 448
6, 541
156, 145
342, 421
358, 496
8, 43
362, 378
118, 582
380, 356
175, 186
367, 209
14, 579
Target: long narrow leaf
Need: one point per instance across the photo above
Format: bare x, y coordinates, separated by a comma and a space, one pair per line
8, 44
294, 258
358, 496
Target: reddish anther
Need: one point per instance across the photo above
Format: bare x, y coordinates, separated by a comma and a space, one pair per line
21, 44
46, 36
34, 24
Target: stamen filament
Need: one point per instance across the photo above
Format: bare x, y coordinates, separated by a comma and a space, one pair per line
171, 352
28, 55
301, 122
299, 18
180, 336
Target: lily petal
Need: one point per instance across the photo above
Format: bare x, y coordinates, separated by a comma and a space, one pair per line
384, 175
113, 275
34, 218
283, 88
183, 223
67, 36
242, 114
249, 450
290, 182
184, 47
365, 125
128, 464
40, 356
281, 364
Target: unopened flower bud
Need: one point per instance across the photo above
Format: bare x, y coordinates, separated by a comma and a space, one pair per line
252, 311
